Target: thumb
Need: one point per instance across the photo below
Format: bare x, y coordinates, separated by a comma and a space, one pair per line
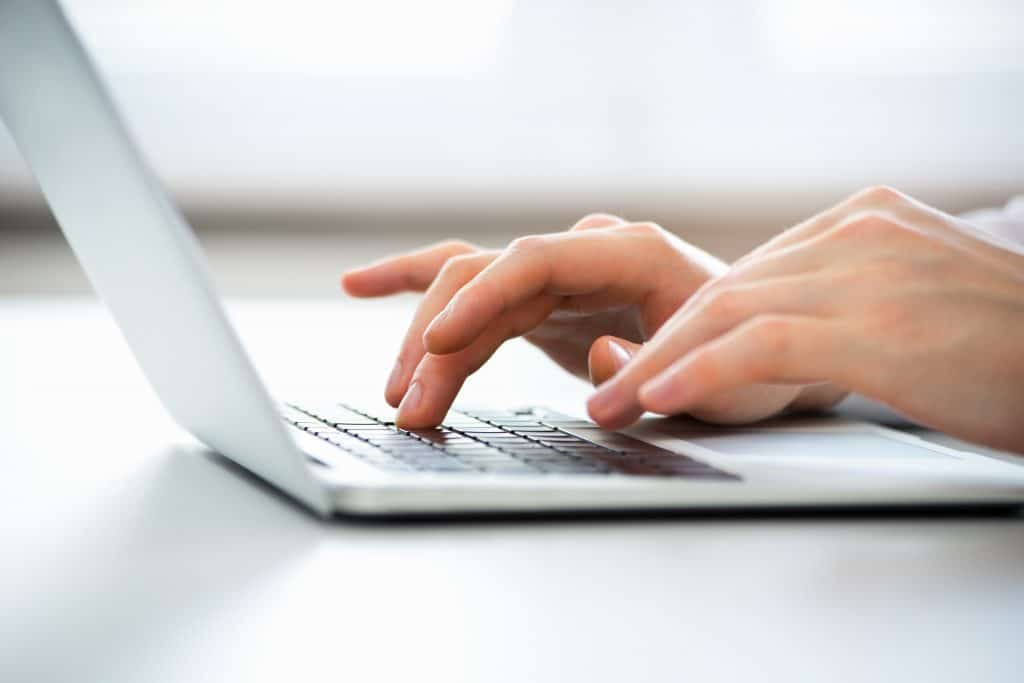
608, 355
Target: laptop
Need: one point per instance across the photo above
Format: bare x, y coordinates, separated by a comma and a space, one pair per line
337, 457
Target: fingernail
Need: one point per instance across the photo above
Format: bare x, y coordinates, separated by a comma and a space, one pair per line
438, 321
395, 376
619, 354
412, 398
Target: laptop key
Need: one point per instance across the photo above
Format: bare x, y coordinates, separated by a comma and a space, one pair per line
498, 442
442, 438
335, 414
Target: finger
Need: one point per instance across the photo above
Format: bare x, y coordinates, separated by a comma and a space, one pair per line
438, 378
748, 404
616, 404
564, 264
766, 349
406, 272
607, 356
597, 221
455, 273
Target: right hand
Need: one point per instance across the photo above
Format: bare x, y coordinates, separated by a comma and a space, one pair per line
587, 297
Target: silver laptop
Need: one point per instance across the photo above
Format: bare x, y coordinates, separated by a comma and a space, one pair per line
338, 458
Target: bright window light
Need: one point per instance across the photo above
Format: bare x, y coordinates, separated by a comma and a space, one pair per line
893, 36
342, 37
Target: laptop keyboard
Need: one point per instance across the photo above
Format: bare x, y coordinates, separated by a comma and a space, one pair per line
523, 442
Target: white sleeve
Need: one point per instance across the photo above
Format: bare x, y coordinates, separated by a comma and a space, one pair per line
1006, 224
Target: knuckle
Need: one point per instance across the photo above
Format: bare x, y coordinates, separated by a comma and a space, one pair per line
771, 343
878, 194
515, 327
724, 303
528, 243
456, 246
705, 366
865, 226
646, 229
879, 227
595, 220
459, 266
771, 333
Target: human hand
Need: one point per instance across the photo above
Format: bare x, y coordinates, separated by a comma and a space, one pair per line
587, 297
881, 295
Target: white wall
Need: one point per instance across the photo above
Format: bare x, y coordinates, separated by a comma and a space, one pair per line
451, 102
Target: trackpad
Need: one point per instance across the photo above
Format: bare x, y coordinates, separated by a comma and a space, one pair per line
831, 444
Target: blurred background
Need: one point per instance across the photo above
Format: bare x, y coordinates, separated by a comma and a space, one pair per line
301, 137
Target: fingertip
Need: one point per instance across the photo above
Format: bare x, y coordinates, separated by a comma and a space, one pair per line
355, 283
614, 420
422, 407
603, 404
597, 415
346, 282
431, 341
434, 332
607, 356
408, 409
409, 420
377, 279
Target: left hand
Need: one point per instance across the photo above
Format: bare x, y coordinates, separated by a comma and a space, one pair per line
880, 295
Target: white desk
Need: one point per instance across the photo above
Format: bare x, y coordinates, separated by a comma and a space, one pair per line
130, 555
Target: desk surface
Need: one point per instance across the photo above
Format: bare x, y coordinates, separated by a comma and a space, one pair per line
130, 555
